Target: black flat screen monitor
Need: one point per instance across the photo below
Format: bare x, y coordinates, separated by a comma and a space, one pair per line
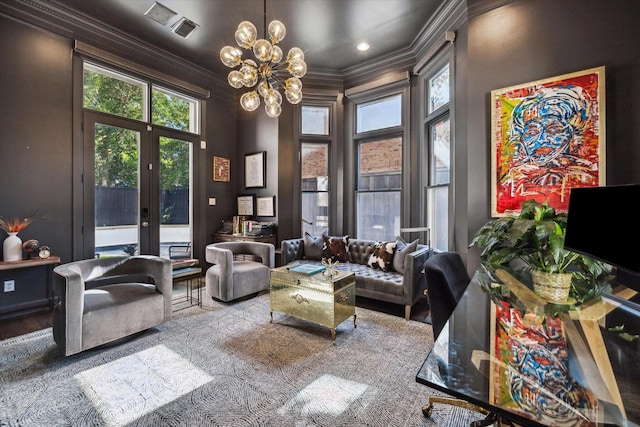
603, 223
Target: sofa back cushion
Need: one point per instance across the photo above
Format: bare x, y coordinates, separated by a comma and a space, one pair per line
312, 247
360, 250
382, 255
402, 249
334, 248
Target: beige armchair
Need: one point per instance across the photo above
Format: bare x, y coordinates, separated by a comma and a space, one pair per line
239, 269
104, 299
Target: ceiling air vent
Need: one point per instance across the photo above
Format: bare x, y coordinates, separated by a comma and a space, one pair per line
160, 13
184, 27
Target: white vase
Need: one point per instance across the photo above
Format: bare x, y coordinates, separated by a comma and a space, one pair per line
12, 248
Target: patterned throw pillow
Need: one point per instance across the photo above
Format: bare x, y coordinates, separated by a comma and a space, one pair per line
402, 250
382, 255
335, 248
312, 247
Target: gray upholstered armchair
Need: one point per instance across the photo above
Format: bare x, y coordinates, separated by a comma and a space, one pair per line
239, 269
101, 300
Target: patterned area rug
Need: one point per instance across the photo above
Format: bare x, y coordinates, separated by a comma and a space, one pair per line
227, 365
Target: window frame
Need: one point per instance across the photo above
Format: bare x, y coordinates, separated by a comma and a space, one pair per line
321, 100
428, 120
386, 89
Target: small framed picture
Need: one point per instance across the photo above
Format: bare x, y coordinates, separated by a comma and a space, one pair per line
245, 205
221, 169
255, 170
265, 206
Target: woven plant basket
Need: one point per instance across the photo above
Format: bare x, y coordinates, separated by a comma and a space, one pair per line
552, 286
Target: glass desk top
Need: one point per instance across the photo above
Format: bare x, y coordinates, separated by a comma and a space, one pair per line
534, 363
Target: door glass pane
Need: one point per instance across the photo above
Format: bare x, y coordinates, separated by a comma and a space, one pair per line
379, 114
110, 92
174, 110
116, 190
175, 198
439, 89
315, 120
315, 187
440, 164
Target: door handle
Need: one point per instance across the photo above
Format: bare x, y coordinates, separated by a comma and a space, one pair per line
144, 216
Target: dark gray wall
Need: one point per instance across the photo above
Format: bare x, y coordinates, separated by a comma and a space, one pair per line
529, 40
36, 133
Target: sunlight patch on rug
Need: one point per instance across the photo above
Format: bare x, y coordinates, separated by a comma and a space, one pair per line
328, 395
128, 388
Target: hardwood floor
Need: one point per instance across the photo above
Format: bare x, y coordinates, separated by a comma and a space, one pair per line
17, 326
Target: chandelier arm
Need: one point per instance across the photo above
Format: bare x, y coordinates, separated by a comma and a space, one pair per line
264, 28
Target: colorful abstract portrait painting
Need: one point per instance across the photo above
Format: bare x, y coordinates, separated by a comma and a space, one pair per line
548, 137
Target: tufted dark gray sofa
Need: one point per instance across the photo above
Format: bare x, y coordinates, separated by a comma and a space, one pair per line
393, 287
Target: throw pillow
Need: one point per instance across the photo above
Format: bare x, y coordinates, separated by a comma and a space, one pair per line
312, 247
382, 255
402, 250
335, 248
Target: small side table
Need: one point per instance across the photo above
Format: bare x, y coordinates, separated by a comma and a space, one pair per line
189, 274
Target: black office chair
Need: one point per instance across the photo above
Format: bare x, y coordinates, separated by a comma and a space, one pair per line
447, 279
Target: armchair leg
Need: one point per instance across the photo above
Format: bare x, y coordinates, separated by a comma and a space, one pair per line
407, 312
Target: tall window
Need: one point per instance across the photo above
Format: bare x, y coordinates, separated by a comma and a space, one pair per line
314, 168
379, 138
438, 159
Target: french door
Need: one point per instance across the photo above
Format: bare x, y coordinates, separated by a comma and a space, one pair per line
137, 187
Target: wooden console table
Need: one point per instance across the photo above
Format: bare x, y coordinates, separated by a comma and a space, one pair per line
32, 283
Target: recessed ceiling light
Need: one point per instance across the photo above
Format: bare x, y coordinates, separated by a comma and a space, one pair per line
160, 13
362, 46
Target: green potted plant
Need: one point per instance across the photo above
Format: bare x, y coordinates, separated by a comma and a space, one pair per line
535, 240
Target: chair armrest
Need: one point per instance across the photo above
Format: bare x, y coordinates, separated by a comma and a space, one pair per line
223, 258
413, 279
265, 251
292, 249
68, 291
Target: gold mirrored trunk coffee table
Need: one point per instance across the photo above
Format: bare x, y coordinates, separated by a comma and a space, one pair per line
322, 298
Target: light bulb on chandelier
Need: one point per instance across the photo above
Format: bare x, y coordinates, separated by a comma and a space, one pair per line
269, 70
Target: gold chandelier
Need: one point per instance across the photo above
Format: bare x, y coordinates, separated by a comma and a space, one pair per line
267, 77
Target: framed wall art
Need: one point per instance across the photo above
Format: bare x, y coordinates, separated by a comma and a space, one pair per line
265, 206
547, 137
221, 169
255, 170
245, 205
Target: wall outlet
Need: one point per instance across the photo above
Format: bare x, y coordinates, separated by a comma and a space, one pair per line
212, 201
9, 285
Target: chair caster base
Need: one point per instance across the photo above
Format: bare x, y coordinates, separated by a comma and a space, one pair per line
427, 410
